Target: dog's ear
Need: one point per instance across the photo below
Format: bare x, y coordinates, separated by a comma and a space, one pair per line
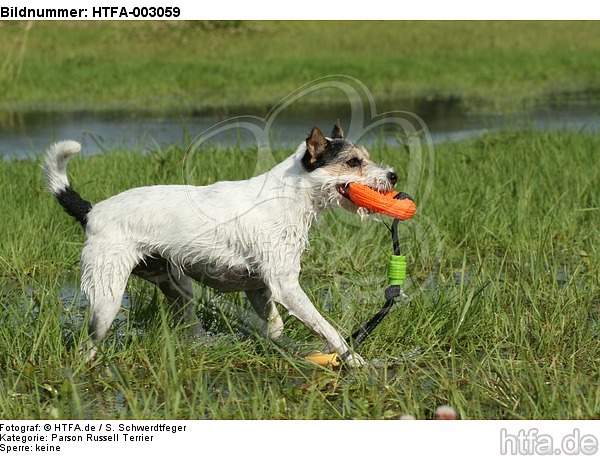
337, 132
316, 143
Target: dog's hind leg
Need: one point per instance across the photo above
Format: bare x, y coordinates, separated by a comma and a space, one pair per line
105, 269
177, 288
266, 310
179, 291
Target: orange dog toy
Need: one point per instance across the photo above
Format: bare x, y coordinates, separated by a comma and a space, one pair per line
384, 203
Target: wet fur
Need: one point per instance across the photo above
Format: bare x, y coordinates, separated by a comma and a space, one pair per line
233, 236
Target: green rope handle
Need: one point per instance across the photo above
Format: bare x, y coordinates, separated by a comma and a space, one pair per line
396, 270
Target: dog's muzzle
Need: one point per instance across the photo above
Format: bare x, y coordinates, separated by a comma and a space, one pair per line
392, 177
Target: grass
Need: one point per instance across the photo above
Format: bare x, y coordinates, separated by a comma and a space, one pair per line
502, 321
224, 65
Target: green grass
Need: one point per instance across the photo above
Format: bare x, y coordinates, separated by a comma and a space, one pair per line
502, 321
225, 65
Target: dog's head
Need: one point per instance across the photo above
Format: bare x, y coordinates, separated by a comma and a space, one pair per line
335, 162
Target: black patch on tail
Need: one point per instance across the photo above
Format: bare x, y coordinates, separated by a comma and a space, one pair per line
74, 204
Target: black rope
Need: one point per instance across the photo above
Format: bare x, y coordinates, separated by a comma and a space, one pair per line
391, 293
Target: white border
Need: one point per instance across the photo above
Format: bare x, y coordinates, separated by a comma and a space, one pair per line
302, 438
349, 9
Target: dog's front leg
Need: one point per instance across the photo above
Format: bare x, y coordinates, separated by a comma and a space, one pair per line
266, 310
289, 294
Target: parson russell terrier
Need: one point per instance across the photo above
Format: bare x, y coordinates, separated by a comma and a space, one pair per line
233, 236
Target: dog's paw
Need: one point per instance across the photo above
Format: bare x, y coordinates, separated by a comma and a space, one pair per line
274, 328
88, 350
354, 360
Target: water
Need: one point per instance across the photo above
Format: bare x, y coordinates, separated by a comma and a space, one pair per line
28, 134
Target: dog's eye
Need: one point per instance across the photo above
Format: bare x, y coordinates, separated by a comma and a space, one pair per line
353, 162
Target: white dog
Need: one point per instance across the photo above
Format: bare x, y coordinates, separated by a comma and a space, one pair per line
233, 236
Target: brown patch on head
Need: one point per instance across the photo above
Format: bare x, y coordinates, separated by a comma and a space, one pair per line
343, 160
316, 143
321, 151
350, 160
353, 164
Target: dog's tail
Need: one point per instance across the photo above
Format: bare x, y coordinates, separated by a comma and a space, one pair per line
55, 169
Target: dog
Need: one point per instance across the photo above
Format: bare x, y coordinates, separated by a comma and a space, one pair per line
231, 235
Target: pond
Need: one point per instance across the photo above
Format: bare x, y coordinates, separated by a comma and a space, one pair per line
27, 134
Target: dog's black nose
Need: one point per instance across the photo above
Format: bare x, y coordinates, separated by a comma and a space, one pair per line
393, 177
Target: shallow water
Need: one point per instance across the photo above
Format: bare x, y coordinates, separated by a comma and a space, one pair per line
27, 134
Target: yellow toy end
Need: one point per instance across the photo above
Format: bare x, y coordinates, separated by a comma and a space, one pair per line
324, 359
